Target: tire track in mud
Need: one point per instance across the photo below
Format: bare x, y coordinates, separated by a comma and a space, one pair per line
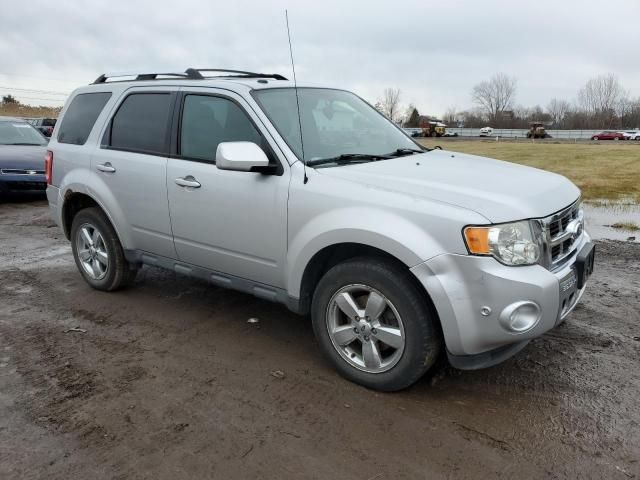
46, 357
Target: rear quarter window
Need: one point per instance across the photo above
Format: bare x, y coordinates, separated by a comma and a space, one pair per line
80, 117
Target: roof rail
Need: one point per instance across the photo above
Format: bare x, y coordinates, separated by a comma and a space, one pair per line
189, 74
236, 73
148, 76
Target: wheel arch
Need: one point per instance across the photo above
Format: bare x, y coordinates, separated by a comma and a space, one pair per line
73, 201
331, 255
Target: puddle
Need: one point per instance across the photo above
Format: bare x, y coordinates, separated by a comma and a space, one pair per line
601, 214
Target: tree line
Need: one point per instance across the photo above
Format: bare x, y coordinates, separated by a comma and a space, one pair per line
12, 107
601, 103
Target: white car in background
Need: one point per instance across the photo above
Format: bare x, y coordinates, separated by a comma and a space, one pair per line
486, 131
631, 134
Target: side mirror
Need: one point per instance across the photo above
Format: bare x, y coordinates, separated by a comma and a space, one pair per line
241, 157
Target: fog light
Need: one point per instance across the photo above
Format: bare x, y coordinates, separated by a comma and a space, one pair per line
520, 316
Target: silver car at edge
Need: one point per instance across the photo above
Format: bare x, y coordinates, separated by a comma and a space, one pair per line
309, 197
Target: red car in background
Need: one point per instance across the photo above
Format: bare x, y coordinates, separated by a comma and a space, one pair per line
608, 136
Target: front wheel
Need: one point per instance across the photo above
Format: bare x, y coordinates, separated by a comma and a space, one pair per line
98, 253
374, 324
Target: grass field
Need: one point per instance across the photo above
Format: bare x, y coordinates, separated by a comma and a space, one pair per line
602, 170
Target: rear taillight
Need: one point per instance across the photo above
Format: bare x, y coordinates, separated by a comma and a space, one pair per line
48, 166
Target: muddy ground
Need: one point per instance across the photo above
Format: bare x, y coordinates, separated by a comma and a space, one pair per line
171, 382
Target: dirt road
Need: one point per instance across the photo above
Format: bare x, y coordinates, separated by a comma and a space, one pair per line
169, 381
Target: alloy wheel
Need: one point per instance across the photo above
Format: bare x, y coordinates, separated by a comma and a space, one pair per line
92, 251
365, 328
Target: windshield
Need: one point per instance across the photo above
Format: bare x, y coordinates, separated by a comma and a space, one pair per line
334, 123
19, 133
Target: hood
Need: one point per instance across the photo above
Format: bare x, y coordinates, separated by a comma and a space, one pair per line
29, 157
499, 191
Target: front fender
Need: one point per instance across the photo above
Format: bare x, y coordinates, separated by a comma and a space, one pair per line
369, 226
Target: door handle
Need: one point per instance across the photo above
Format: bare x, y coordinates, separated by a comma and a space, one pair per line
188, 181
105, 167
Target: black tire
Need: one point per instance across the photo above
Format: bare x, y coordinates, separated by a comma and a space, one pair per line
423, 338
119, 272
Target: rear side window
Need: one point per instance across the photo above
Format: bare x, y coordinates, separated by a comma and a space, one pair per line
80, 117
141, 123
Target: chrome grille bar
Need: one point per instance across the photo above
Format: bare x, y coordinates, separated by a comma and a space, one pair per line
563, 232
18, 171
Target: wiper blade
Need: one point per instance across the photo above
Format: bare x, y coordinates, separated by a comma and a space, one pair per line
348, 158
406, 151
24, 143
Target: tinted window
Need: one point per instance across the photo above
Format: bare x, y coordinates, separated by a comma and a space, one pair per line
141, 123
208, 121
80, 117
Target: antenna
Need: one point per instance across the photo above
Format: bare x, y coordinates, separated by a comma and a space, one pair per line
295, 86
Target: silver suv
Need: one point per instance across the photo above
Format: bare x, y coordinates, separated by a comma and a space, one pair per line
309, 197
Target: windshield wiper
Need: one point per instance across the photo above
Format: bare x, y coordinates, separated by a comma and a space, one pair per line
348, 158
406, 151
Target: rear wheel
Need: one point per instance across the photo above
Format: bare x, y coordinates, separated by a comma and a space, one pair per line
374, 324
98, 253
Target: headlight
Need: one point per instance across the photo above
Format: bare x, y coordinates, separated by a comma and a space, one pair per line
510, 243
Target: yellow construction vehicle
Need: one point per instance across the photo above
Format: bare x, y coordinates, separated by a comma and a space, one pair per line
432, 128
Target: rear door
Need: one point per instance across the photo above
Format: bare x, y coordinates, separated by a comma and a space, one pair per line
233, 222
132, 162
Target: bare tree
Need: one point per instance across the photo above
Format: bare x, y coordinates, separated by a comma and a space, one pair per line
495, 95
624, 108
599, 98
472, 118
451, 116
558, 110
391, 103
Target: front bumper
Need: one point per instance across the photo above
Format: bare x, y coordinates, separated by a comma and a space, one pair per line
470, 293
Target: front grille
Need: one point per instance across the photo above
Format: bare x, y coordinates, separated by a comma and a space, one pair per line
19, 171
563, 232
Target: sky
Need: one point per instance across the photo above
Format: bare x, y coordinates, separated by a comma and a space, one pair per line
434, 52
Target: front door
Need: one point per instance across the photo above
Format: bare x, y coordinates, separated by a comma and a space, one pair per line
231, 222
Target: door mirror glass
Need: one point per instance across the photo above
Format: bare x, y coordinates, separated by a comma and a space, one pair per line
241, 157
